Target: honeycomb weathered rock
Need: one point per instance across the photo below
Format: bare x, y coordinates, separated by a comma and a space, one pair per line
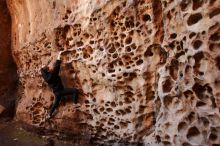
148, 70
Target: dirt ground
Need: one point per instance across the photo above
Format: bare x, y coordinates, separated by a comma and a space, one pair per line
12, 134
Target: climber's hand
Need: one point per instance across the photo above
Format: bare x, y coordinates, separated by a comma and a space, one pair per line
60, 52
40, 68
43, 66
59, 55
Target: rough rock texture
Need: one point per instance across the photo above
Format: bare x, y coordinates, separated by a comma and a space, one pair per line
8, 74
148, 70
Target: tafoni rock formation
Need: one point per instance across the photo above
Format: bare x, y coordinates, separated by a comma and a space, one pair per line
148, 71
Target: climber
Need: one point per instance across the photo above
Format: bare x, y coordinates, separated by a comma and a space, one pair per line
51, 76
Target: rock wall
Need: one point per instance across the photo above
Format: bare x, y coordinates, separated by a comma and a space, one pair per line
148, 71
8, 74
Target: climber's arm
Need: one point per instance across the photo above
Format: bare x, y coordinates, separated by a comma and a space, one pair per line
57, 64
45, 74
59, 55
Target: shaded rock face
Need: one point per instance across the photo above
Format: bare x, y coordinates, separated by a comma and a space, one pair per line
8, 74
148, 71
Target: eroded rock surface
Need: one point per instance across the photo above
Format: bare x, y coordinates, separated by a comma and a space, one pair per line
8, 74
148, 71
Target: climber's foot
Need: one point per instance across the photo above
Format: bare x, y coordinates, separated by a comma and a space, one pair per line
48, 117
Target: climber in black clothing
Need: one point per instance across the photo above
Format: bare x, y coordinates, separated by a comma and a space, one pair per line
51, 76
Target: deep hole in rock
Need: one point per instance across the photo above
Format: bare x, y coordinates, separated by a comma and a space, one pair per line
186, 144
184, 4
197, 4
139, 62
167, 86
182, 126
211, 2
167, 101
217, 60
215, 37
146, 17
213, 136
193, 132
215, 144
197, 44
173, 35
198, 57
174, 67
192, 117
128, 40
214, 12
192, 34
112, 49
200, 103
194, 18
199, 90
205, 121
148, 52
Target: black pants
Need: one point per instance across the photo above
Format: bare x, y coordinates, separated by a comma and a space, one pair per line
60, 94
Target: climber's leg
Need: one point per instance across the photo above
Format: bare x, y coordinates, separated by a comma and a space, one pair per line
55, 103
71, 91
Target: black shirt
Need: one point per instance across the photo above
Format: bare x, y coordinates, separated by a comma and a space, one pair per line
52, 78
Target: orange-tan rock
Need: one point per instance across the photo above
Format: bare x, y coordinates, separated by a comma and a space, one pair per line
148, 71
8, 75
